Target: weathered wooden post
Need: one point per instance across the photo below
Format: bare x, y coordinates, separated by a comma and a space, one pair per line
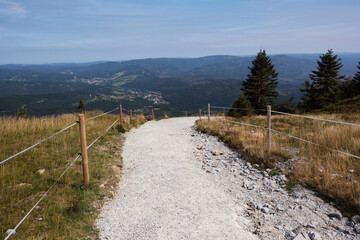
152, 114
84, 149
200, 114
209, 112
185, 113
121, 117
131, 118
269, 129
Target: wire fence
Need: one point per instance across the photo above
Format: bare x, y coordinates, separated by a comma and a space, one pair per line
53, 135
315, 118
102, 114
245, 124
102, 134
291, 114
11, 232
229, 108
316, 144
291, 136
17, 154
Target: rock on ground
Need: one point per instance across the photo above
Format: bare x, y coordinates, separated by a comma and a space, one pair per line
274, 213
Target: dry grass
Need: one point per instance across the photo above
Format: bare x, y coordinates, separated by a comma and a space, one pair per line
315, 167
68, 212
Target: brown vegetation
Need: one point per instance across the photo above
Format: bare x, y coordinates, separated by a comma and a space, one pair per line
332, 174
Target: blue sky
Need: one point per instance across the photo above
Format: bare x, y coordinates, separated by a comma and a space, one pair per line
45, 31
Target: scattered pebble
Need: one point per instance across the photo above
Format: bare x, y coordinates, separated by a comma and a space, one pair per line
297, 215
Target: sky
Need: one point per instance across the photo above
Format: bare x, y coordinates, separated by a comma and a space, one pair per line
48, 31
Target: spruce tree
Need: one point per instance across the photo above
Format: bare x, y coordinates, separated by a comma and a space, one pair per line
241, 107
325, 84
81, 107
356, 82
260, 85
22, 112
347, 88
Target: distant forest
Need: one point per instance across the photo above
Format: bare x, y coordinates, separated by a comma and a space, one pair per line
183, 84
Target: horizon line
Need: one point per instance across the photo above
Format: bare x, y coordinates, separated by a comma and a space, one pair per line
132, 59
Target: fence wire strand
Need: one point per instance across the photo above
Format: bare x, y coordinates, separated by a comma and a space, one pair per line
316, 144
102, 134
246, 124
300, 139
10, 232
13, 231
230, 108
315, 118
62, 130
251, 109
291, 114
102, 114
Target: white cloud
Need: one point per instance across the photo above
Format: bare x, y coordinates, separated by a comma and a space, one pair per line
12, 8
279, 22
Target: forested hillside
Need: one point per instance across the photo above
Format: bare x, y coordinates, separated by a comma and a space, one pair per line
164, 83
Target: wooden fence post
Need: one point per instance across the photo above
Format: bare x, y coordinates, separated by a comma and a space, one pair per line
131, 115
209, 112
121, 117
84, 149
200, 114
152, 114
269, 129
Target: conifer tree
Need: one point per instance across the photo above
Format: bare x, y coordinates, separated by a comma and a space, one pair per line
241, 107
22, 112
356, 82
81, 107
260, 85
324, 87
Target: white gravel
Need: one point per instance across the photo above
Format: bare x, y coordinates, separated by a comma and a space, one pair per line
164, 193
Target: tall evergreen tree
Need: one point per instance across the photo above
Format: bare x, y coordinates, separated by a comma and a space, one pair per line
241, 107
351, 86
260, 85
347, 88
325, 84
356, 82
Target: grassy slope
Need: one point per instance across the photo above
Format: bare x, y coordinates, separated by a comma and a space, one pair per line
70, 209
314, 167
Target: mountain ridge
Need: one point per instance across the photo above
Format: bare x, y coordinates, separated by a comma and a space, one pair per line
181, 82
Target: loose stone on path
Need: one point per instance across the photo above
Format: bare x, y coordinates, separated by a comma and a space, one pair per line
298, 215
165, 194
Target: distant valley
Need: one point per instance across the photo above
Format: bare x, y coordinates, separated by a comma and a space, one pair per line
172, 85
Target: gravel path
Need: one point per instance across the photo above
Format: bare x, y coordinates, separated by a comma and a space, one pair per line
165, 194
